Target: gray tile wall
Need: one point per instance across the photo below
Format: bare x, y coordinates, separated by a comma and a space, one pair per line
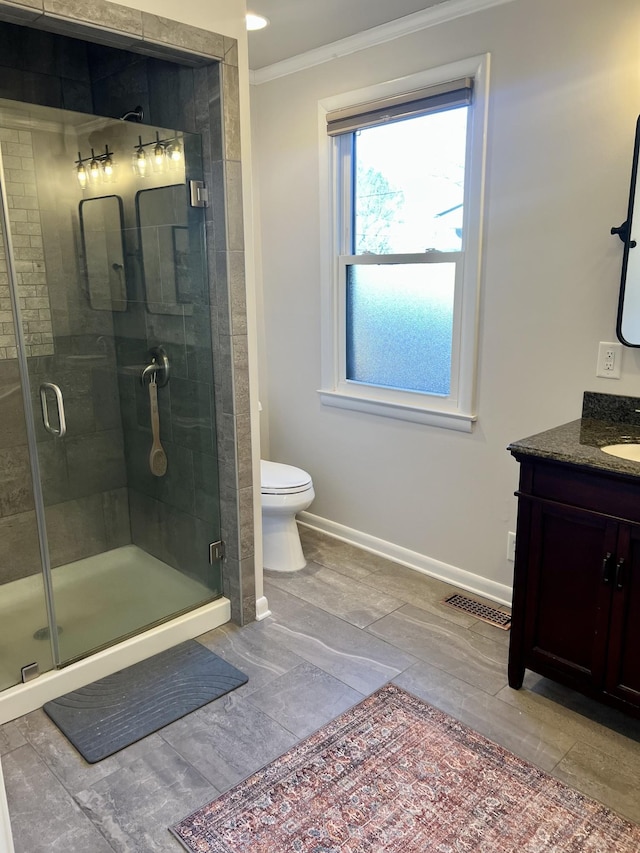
192, 99
28, 251
174, 517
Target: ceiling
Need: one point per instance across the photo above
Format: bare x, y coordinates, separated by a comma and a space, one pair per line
297, 26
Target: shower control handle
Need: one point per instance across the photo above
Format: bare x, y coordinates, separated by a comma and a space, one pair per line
159, 368
61, 430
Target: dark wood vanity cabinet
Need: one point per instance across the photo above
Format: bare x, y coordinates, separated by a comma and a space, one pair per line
576, 603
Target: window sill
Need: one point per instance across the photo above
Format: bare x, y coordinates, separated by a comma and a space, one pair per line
400, 411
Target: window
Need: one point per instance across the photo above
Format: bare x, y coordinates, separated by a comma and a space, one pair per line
403, 175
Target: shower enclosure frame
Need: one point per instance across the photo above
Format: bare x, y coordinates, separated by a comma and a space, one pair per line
215, 57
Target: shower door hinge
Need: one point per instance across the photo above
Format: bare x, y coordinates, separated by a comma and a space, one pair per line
29, 672
216, 551
198, 194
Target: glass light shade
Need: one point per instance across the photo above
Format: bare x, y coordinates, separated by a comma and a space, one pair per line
108, 167
82, 176
175, 152
140, 162
158, 154
94, 170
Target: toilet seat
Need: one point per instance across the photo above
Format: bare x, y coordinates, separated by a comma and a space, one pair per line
279, 479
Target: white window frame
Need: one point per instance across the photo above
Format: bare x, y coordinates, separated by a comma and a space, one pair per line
458, 410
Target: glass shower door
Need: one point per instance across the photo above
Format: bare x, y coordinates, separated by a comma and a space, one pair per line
112, 287
23, 605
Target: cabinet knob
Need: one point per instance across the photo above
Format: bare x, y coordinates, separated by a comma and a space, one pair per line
620, 573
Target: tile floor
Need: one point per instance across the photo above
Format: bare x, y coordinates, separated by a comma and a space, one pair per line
340, 629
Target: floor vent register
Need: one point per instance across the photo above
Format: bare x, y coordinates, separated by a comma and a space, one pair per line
492, 615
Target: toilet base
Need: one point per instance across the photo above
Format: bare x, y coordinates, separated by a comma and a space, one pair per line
281, 548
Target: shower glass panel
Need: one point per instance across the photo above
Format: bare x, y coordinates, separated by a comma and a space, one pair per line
127, 543
22, 595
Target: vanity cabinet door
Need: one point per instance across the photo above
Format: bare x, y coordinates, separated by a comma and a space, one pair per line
623, 665
569, 563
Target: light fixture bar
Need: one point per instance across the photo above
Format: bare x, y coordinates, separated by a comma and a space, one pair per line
100, 165
164, 150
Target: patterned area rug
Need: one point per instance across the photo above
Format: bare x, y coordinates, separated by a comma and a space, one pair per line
395, 774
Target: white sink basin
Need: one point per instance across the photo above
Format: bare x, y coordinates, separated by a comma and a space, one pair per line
624, 451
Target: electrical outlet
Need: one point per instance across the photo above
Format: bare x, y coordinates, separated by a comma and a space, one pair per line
609, 360
511, 546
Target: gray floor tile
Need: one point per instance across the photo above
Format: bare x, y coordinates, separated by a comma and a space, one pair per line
253, 651
619, 739
418, 589
304, 699
526, 736
611, 781
44, 816
428, 593
457, 650
355, 657
228, 740
565, 698
344, 558
134, 806
10, 737
361, 605
491, 631
66, 762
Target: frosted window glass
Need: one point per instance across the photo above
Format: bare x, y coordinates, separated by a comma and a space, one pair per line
409, 184
400, 325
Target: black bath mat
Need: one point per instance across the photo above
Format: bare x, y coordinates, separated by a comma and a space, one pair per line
118, 710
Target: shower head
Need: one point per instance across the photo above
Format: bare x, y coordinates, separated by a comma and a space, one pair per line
136, 114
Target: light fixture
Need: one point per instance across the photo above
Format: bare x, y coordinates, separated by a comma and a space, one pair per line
174, 152
94, 167
256, 22
81, 172
158, 151
164, 152
100, 166
140, 159
107, 164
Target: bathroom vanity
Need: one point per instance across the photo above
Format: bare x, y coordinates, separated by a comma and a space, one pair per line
576, 601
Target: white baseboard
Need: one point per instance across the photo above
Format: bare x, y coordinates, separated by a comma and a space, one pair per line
498, 592
262, 608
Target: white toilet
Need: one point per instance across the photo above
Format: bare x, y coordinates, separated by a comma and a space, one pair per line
285, 491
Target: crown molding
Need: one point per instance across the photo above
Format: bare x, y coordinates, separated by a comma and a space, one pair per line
448, 10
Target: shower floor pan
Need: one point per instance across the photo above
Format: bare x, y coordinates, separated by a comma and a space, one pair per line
97, 601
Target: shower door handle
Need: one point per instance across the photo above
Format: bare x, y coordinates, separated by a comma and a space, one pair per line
61, 431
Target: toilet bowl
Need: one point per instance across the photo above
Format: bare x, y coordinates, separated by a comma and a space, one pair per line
285, 491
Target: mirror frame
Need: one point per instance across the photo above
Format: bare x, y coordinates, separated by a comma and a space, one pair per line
624, 232
85, 247
180, 299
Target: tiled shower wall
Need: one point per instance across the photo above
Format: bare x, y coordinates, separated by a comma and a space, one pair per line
24, 216
187, 97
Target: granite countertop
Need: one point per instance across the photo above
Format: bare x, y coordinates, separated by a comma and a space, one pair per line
606, 419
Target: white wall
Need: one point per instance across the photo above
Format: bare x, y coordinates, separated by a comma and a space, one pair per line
565, 93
